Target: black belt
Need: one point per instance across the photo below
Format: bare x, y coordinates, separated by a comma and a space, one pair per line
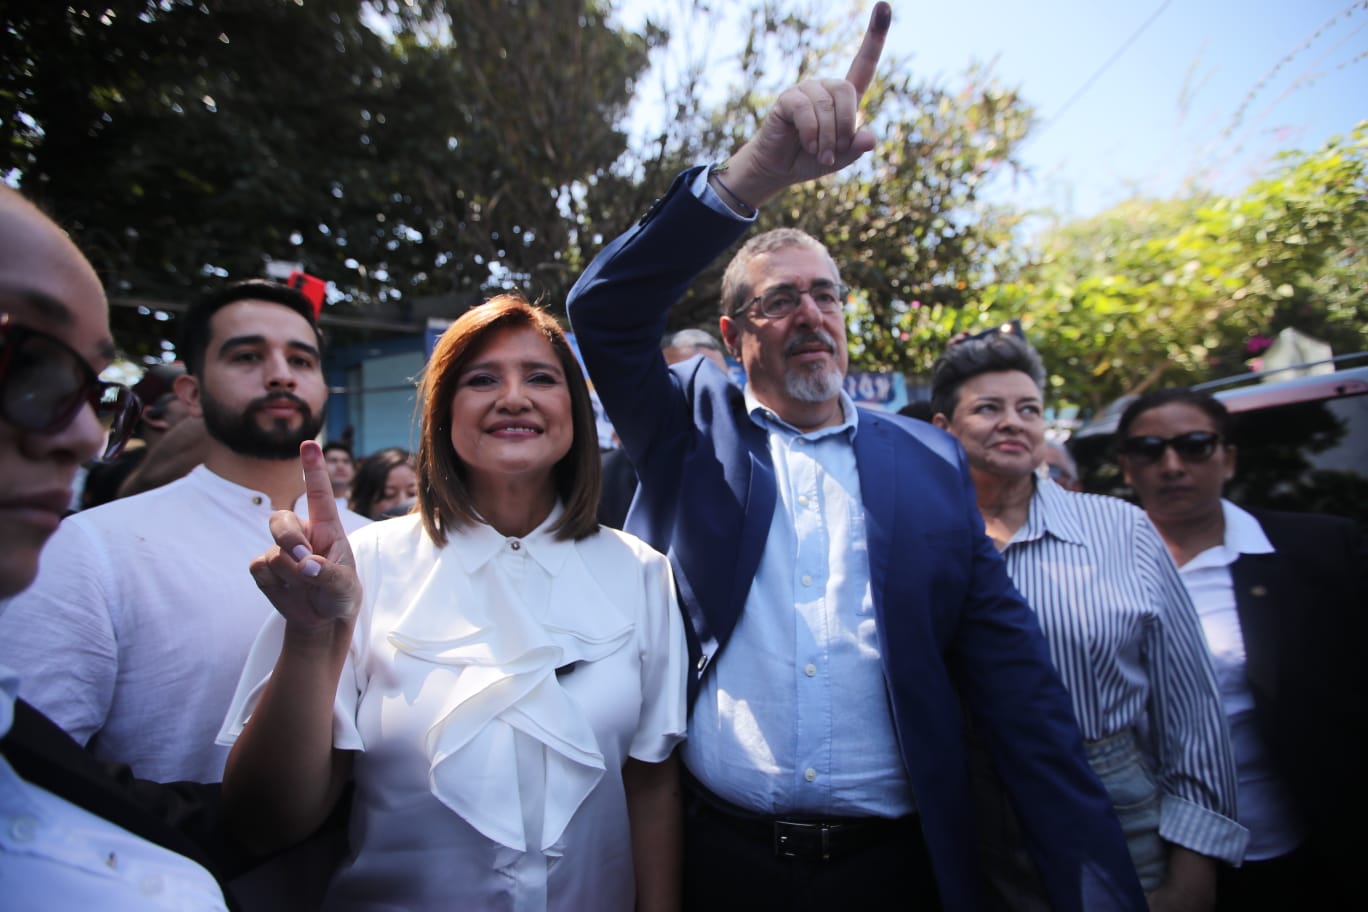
805, 839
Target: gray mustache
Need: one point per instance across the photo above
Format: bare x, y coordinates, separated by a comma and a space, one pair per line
807, 338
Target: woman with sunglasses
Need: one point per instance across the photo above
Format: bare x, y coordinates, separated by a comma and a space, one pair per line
501, 678
78, 834
1281, 601
55, 413
1122, 632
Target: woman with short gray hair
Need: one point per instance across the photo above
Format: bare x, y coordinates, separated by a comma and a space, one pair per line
1122, 632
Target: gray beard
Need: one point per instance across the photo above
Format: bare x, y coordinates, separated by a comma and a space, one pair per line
813, 386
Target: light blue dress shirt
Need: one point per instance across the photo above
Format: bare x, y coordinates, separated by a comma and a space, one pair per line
794, 718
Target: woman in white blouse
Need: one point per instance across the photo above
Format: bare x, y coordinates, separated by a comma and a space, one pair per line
1122, 632
502, 679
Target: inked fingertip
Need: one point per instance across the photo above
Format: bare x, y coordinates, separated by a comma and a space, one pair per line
883, 15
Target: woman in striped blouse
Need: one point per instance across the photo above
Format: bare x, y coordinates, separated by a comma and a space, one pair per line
1122, 632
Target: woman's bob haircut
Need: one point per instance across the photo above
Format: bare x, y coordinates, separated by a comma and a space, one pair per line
444, 498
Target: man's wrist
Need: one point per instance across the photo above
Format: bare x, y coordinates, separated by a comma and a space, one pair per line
746, 182
733, 199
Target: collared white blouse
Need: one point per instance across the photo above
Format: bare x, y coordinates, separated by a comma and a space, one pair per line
494, 689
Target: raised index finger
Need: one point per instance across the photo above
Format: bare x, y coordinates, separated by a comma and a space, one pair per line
317, 485
861, 72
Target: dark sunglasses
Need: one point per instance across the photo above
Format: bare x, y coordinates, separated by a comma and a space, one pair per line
44, 383
1194, 446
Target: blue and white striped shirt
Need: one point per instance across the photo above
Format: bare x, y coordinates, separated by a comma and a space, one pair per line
1129, 647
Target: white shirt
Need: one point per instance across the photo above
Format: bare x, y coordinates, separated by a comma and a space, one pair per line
772, 728
55, 855
493, 690
1129, 647
132, 637
1266, 806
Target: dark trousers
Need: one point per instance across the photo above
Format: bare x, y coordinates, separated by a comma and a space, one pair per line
732, 864
1301, 879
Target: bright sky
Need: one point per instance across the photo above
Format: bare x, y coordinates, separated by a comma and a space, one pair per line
1163, 112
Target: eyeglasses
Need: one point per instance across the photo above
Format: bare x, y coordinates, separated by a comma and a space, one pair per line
44, 383
782, 300
1194, 446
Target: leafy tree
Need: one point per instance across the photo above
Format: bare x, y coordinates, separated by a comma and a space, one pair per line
400, 149
529, 96
908, 226
1175, 291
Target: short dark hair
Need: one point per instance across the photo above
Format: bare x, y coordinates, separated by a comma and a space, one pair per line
919, 409
965, 360
194, 329
443, 496
1214, 408
338, 445
369, 484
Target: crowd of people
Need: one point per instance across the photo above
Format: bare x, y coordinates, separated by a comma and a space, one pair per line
777, 652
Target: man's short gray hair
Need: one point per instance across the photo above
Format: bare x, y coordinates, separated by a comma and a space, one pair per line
692, 339
736, 291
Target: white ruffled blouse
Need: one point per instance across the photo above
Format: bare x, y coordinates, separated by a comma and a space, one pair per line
493, 691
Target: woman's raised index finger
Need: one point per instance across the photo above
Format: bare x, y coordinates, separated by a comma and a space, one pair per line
861, 72
317, 484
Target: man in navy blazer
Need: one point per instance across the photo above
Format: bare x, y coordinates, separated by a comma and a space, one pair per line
845, 610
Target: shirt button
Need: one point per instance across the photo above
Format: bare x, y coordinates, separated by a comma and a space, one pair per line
702, 662
809, 774
803, 499
22, 829
515, 545
257, 500
809, 669
807, 581
152, 885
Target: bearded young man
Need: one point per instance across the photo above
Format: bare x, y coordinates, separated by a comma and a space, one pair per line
133, 635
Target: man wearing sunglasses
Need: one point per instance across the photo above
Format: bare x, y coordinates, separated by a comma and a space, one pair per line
78, 833
1281, 600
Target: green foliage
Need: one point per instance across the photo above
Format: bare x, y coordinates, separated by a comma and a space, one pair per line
406, 150
908, 226
184, 141
1177, 290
